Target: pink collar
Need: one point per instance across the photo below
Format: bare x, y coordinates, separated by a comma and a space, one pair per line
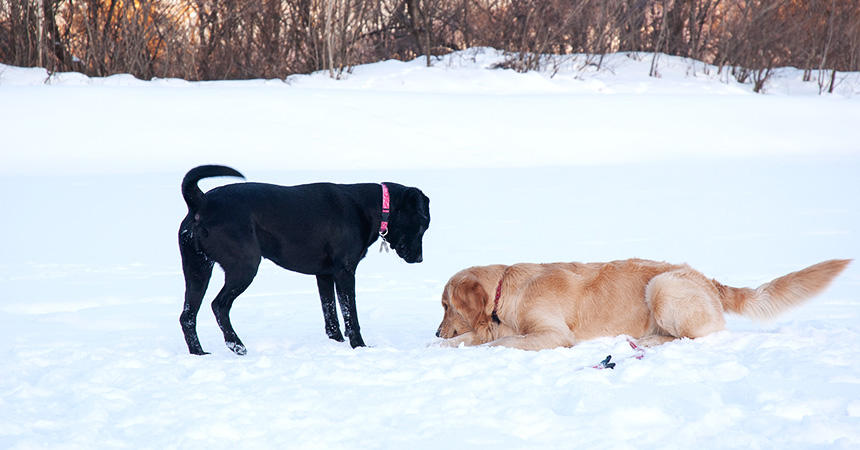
386, 208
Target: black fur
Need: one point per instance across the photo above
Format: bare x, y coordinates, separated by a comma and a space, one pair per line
320, 229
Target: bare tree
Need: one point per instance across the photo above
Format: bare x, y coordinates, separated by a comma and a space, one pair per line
228, 39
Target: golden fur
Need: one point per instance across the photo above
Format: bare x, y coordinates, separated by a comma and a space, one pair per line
551, 305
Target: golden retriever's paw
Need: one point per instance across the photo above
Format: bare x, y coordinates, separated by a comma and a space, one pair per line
447, 343
653, 340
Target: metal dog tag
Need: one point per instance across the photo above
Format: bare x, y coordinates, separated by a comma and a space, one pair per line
384, 246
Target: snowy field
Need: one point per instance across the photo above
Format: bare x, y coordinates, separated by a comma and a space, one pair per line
580, 166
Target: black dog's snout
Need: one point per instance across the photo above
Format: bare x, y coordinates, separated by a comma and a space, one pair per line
418, 256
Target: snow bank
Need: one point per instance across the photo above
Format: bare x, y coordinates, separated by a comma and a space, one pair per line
399, 115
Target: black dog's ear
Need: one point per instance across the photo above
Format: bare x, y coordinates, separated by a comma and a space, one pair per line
421, 202
414, 194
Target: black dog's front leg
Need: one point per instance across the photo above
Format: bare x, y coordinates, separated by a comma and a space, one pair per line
325, 284
345, 284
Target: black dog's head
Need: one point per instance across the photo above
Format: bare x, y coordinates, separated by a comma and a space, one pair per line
410, 218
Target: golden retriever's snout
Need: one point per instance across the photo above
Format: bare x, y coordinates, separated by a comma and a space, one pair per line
445, 331
442, 332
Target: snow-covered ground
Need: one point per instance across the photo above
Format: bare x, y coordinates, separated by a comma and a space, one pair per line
580, 166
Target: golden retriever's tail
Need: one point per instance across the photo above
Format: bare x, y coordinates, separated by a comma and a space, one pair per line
787, 291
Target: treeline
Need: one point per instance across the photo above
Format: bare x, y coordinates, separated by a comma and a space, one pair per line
238, 39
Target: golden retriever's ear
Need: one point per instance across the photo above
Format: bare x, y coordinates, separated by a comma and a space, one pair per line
470, 299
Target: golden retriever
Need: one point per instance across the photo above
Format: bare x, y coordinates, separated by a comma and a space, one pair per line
541, 306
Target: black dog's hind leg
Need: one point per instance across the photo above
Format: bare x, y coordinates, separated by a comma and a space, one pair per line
345, 284
197, 270
325, 284
236, 280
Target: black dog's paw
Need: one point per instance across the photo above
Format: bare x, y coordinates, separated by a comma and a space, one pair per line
196, 349
237, 348
357, 342
334, 335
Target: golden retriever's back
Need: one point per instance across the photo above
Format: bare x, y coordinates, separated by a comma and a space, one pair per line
595, 299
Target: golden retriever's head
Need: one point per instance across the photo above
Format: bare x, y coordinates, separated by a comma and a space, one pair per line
467, 302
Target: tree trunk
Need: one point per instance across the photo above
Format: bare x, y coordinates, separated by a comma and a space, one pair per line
418, 22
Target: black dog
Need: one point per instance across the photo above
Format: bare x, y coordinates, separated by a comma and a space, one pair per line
320, 229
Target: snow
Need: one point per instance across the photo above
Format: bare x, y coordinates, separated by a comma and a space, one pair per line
577, 166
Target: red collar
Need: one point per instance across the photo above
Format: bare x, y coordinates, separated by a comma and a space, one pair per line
496, 300
386, 209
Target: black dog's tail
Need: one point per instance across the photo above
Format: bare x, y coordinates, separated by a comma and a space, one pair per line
191, 192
